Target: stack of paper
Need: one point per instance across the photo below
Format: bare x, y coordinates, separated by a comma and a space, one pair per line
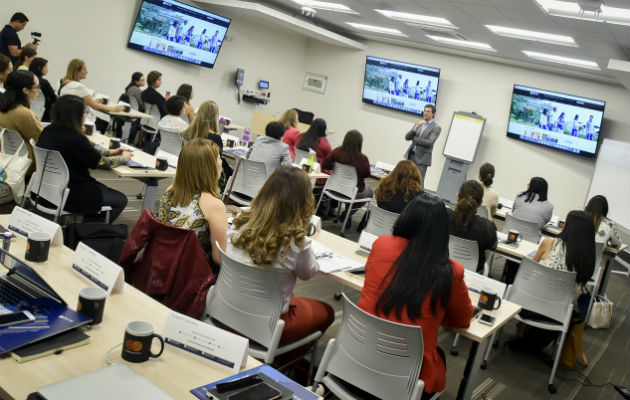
329, 261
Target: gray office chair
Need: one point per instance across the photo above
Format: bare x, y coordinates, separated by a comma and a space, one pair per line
596, 278
248, 179
249, 301
483, 212
380, 222
465, 252
548, 292
381, 357
38, 106
150, 125
299, 155
529, 230
171, 143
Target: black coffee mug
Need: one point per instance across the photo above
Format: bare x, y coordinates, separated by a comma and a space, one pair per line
137, 342
560, 224
514, 236
488, 298
89, 129
92, 303
104, 100
230, 143
114, 143
161, 164
37, 247
306, 167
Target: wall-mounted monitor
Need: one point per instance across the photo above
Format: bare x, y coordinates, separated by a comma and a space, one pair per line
178, 31
399, 85
557, 120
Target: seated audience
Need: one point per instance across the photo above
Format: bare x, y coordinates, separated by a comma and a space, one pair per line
605, 229
27, 55
532, 205
192, 202
465, 223
65, 135
5, 69
206, 122
290, 121
270, 149
22, 87
150, 95
186, 91
490, 197
273, 235
133, 89
173, 121
399, 187
573, 249
71, 85
410, 279
39, 67
315, 138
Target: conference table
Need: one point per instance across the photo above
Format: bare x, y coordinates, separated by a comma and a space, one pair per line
175, 371
477, 332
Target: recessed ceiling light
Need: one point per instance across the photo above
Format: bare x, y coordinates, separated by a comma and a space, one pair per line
590, 10
324, 5
462, 43
575, 62
376, 29
531, 35
417, 19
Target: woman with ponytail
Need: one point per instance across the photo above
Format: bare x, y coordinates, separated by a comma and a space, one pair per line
490, 197
465, 223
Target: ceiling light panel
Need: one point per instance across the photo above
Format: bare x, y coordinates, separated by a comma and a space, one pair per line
417, 19
586, 10
376, 29
532, 35
574, 62
462, 43
324, 5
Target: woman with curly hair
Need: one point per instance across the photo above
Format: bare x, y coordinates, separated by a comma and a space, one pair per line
399, 187
272, 234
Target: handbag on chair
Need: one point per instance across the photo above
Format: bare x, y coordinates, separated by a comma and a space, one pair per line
13, 168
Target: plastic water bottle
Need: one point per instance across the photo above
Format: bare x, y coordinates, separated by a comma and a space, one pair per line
312, 158
245, 137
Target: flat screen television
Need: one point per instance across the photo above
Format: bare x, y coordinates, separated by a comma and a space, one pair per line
557, 120
399, 85
178, 31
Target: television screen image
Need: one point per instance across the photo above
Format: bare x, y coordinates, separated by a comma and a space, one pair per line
399, 85
557, 120
179, 31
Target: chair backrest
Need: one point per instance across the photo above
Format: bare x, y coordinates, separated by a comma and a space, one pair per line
343, 180
249, 178
305, 117
464, 251
11, 142
246, 299
39, 105
529, 230
51, 176
184, 116
383, 358
133, 103
380, 222
599, 252
483, 212
171, 142
151, 123
543, 290
300, 154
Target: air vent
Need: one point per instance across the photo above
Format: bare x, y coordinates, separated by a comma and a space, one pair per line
443, 33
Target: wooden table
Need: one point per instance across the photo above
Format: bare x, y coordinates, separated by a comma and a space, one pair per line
146, 160
175, 371
477, 332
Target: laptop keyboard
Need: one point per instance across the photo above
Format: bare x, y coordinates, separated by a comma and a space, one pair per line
10, 295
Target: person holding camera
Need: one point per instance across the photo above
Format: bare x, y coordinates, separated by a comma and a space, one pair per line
10, 44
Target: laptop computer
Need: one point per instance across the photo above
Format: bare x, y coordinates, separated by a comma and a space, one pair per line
22, 288
115, 382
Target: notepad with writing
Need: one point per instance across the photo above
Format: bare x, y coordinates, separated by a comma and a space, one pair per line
55, 344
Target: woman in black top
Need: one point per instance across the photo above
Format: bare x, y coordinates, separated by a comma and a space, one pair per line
399, 187
65, 134
39, 67
465, 223
151, 95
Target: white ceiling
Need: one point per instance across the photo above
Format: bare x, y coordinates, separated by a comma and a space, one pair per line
596, 41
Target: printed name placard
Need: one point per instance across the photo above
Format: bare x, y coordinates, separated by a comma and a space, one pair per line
98, 269
207, 341
24, 222
366, 240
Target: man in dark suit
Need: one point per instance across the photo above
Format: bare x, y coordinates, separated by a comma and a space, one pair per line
423, 135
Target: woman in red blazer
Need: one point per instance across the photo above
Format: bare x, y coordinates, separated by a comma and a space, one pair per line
410, 279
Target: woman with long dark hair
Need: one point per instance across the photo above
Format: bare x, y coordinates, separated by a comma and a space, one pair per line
133, 89
410, 279
39, 67
315, 138
5, 69
605, 229
186, 91
465, 223
532, 204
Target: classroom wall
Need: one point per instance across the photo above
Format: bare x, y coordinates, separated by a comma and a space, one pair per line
97, 31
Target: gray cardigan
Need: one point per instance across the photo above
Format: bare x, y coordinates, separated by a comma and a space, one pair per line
536, 211
270, 151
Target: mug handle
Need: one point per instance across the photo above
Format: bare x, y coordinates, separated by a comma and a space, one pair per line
497, 307
312, 230
153, 336
519, 237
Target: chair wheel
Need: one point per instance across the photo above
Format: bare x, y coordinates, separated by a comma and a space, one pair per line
139, 196
337, 296
454, 351
552, 389
484, 364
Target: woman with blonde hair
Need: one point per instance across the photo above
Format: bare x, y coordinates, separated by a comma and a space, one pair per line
399, 187
70, 84
290, 121
272, 234
192, 202
206, 121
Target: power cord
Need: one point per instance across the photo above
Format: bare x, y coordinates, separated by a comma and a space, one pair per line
585, 381
109, 362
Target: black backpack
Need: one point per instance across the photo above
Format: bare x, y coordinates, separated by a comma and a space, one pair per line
106, 239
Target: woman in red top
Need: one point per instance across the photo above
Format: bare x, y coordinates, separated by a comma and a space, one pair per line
409, 279
315, 138
290, 121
